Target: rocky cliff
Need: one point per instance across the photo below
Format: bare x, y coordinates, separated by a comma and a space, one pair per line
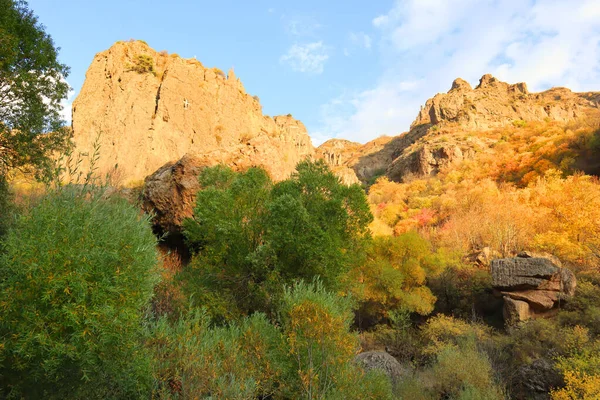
149, 108
432, 142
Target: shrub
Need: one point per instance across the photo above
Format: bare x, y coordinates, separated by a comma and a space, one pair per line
192, 359
219, 72
464, 372
143, 63
316, 326
394, 276
308, 354
77, 272
251, 237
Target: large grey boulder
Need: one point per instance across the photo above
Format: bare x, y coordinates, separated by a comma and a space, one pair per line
522, 273
531, 285
383, 361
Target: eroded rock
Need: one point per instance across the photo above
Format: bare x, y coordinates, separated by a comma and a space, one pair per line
531, 286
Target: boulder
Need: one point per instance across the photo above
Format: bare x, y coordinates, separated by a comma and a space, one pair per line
533, 254
522, 273
383, 361
170, 192
534, 380
531, 286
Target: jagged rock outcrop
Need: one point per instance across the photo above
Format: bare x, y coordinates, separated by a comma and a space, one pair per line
355, 162
495, 103
383, 361
148, 108
170, 192
436, 138
530, 286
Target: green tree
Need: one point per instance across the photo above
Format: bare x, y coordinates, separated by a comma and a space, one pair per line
251, 236
76, 273
32, 87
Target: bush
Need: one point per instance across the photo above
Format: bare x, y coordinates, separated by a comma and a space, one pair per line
316, 326
464, 372
192, 359
251, 237
394, 276
143, 63
308, 354
77, 272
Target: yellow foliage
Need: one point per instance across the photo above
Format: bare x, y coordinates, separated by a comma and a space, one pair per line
579, 386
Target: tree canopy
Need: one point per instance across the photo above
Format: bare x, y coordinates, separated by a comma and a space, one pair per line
251, 235
32, 86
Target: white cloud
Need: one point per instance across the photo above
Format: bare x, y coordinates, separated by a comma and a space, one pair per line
303, 26
309, 58
361, 39
426, 44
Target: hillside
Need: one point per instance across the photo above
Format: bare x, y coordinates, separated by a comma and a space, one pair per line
148, 108
454, 126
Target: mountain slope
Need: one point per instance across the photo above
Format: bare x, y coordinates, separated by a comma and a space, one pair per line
453, 126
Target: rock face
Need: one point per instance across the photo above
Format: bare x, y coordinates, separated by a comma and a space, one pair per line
355, 162
437, 138
381, 360
530, 286
148, 109
494, 103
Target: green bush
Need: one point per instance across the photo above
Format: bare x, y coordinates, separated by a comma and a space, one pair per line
143, 63
307, 354
77, 272
242, 360
250, 237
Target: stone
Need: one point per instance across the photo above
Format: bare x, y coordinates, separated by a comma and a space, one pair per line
170, 193
383, 361
424, 161
460, 84
494, 103
145, 120
521, 273
515, 311
532, 254
531, 286
535, 380
541, 299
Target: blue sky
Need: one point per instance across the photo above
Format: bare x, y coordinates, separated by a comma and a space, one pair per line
350, 69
